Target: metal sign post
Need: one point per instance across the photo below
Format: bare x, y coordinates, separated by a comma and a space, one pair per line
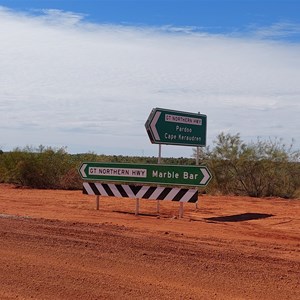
163, 126
159, 162
197, 163
171, 127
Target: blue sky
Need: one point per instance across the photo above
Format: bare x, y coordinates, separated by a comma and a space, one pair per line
86, 74
216, 16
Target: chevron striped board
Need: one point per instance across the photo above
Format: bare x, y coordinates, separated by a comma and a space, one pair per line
141, 192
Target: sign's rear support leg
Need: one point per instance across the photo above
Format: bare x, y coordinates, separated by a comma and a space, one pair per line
97, 202
137, 206
181, 210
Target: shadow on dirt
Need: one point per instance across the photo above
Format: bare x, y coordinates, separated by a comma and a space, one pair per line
133, 213
240, 217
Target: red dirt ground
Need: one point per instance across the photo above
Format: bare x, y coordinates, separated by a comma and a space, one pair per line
56, 245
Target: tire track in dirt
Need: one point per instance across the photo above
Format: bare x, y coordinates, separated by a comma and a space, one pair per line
52, 259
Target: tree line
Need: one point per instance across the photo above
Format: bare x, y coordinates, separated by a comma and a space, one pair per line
262, 168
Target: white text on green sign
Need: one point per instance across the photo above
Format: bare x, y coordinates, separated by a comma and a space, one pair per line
159, 174
176, 127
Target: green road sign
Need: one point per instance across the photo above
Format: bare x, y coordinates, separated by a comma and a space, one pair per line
176, 128
140, 173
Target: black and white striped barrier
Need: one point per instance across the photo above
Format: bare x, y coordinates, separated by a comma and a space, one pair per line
141, 192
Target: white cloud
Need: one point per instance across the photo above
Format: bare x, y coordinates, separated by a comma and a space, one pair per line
278, 30
65, 82
58, 17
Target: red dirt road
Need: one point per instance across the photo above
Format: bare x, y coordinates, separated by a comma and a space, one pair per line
55, 245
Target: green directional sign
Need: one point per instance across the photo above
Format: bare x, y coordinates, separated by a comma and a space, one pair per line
176, 127
144, 173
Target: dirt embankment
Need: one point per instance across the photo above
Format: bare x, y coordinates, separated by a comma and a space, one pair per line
55, 245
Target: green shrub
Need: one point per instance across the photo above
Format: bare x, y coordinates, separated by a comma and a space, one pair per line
260, 169
36, 168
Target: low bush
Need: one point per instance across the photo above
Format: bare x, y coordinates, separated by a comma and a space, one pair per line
260, 169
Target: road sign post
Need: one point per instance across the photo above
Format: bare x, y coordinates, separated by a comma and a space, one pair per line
176, 127
163, 127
